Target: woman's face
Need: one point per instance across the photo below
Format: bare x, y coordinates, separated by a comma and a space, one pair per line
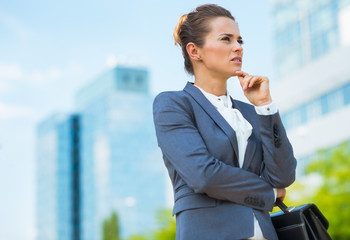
222, 51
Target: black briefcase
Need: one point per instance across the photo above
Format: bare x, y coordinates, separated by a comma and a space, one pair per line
305, 222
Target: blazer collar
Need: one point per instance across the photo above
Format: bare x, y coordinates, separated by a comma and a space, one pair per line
214, 114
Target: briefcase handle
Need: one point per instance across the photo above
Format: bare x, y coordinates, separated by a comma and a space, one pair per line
283, 206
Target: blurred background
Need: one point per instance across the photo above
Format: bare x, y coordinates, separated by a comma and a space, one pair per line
78, 154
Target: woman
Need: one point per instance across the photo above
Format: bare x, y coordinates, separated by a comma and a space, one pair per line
228, 161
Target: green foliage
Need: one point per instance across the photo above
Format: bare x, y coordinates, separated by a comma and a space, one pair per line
137, 237
332, 196
110, 228
167, 226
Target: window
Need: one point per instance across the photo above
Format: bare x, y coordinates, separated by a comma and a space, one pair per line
346, 94
324, 104
126, 79
336, 99
139, 80
313, 110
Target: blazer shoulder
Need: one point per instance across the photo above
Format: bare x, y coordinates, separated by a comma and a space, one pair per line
171, 98
172, 106
170, 95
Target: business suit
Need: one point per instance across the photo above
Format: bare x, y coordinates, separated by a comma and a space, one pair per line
214, 198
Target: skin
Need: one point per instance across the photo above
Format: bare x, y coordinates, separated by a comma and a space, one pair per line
219, 59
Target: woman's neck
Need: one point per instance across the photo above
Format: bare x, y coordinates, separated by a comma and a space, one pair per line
210, 84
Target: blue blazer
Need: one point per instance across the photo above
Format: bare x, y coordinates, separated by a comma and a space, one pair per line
214, 198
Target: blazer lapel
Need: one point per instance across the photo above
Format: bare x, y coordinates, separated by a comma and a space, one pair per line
252, 141
251, 147
214, 114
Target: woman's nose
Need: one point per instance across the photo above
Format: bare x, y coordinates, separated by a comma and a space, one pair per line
237, 47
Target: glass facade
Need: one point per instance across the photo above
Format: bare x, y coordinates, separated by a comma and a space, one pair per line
316, 108
310, 37
104, 160
304, 30
117, 79
58, 194
121, 168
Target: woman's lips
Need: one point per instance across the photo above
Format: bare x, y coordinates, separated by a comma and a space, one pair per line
237, 59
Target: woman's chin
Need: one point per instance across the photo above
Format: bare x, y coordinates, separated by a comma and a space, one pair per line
234, 70
233, 73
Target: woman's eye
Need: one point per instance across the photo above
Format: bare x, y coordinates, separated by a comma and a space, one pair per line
240, 41
225, 39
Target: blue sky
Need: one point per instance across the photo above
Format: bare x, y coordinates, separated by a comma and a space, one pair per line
49, 49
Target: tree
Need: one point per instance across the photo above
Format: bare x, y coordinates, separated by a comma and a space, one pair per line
110, 228
137, 237
167, 226
331, 170
333, 197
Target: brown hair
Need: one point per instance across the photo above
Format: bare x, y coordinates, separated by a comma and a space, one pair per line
193, 27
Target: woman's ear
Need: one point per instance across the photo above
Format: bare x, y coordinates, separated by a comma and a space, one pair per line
193, 51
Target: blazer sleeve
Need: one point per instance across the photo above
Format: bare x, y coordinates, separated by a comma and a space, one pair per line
186, 151
279, 164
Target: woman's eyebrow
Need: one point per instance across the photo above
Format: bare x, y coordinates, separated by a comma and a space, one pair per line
229, 35
226, 34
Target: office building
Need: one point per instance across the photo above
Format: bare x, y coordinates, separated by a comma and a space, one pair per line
103, 160
121, 165
312, 89
57, 168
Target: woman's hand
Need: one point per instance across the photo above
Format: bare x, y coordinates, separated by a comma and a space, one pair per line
281, 193
255, 88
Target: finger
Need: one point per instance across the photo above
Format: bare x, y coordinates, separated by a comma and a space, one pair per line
238, 73
241, 74
261, 80
247, 80
253, 81
242, 79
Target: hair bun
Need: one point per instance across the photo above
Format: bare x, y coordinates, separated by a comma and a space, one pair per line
177, 29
